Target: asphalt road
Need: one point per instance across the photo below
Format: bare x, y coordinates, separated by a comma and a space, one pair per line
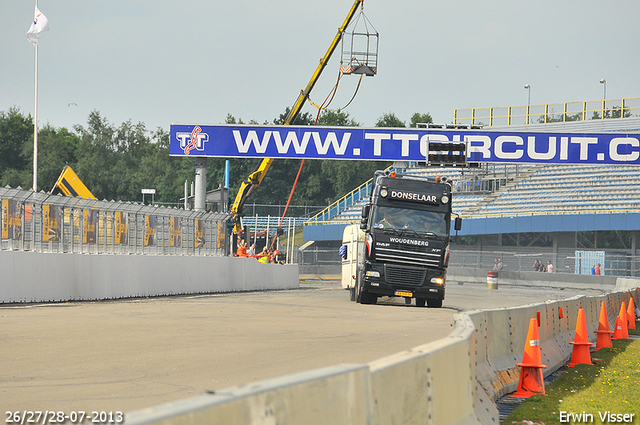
130, 354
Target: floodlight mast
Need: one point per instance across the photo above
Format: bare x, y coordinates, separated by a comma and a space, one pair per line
256, 177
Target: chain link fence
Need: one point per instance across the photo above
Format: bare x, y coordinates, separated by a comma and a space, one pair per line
39, 221
614, 262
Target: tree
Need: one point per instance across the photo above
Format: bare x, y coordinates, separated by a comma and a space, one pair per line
232, 120
389, 120
302, 119
420, 118
337, 118
15, 132
97, 157
57, 147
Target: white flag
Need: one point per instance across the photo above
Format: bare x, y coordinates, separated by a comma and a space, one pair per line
40, 24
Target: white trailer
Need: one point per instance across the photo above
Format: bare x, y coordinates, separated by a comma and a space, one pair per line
352, 237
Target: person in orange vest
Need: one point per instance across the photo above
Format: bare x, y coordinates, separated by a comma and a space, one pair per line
242, 249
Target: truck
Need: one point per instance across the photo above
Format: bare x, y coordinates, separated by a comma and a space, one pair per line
401, 246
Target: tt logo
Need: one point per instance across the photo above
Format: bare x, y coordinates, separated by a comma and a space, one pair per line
194, 140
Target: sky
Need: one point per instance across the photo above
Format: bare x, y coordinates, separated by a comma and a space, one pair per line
195, 61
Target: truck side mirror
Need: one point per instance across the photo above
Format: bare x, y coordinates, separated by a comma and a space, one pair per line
365, 216
365, 211
458, 224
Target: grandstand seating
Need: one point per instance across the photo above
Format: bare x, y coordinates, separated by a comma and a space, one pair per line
535, 189
566, 188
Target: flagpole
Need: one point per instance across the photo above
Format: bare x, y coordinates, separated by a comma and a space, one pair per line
35, 127
40, 24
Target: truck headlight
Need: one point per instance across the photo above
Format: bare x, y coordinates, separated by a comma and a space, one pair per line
437, 280
384, 193
445, 199
373, 273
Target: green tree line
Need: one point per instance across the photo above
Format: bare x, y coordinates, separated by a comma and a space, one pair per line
117, 161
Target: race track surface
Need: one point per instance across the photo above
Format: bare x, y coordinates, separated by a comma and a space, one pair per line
130, 354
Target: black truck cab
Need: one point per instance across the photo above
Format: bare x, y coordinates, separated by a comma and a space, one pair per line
406, 240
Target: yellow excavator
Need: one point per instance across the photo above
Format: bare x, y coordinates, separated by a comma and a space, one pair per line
256, 177
70, 184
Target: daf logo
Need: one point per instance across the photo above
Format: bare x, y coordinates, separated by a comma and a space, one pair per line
194, 140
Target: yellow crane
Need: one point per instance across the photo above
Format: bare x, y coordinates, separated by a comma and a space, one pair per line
70, 184
256, 177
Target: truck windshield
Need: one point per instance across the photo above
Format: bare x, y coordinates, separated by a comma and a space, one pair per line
412, 221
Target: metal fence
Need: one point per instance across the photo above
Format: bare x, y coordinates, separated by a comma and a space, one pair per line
39, 221
614, 262
565, 260
551, 112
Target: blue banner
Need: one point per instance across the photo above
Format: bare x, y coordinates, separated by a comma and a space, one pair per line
400, 144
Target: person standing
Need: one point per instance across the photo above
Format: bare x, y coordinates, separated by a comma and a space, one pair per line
549, 267
593, 269
498, 264
598, 271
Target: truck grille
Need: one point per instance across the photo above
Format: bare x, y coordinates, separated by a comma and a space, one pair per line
398, 275
408, 254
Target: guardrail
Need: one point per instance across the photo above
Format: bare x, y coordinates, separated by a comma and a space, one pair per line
549, 112
343, 203
39, 221
270, 223
548, 212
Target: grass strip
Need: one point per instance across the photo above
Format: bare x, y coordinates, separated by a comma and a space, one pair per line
601, 393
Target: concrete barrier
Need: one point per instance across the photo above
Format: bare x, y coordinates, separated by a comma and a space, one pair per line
333, 395
422, 385
451, 381
45, 277
505, 277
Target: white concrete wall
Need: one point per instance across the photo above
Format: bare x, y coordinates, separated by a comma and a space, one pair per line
451, 381
45, 277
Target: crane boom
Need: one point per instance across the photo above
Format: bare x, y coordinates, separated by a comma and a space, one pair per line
256, 177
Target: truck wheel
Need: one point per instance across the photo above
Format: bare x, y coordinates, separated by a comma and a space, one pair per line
357, 290
434, 302
368, 298
420, 302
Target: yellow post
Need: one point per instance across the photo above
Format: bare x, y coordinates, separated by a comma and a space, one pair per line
546, 112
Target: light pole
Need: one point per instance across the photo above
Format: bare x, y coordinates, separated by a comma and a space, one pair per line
528, 87
604, 97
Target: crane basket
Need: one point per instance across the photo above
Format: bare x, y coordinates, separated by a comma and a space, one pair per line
359, 48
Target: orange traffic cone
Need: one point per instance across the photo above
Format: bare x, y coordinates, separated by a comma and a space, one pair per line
531, 379
631, 315
604, 333
621, 331
581, 344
